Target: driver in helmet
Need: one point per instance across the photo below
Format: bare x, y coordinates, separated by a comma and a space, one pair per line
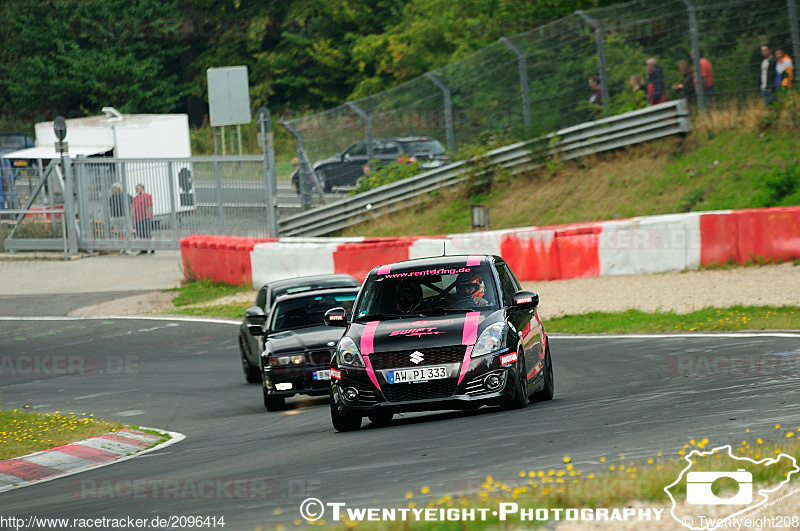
408, 295
470, 290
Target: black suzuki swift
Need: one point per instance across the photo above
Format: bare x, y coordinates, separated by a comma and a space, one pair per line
452, 332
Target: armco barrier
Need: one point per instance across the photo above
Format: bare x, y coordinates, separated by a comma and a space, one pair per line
218, 258
619, 247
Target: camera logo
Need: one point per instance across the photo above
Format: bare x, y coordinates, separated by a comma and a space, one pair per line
698, 488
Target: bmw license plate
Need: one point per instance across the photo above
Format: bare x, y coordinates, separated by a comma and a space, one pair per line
321, 375
421, 374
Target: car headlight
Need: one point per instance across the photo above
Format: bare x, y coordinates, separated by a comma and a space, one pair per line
347, 354
490, 340
295, 359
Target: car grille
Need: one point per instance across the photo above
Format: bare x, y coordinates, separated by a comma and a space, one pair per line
432, 356
320, 357
419, 391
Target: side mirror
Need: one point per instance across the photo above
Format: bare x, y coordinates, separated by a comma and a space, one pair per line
526, 300
255, 318
336, 317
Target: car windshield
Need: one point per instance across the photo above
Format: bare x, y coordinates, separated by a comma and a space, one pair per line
427, 292
424, 147
308, 311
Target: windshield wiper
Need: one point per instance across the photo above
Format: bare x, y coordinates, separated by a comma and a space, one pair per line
383, 316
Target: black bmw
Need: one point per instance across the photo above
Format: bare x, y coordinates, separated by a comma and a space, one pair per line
298, 346
453, 332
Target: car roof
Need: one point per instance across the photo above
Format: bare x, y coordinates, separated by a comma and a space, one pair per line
312, 293
302, 281
443, 262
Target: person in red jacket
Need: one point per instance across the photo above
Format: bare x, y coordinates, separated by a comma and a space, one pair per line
142, 215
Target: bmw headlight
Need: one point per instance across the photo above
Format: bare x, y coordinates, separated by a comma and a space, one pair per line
347, 354
490, 340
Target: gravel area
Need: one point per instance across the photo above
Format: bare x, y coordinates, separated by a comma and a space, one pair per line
681, 292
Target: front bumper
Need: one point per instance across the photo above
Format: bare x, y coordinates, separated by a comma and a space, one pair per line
300, 378
470, 393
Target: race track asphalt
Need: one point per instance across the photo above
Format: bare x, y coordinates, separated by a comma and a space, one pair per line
614, 395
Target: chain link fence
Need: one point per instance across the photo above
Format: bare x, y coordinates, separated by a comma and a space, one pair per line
536, 82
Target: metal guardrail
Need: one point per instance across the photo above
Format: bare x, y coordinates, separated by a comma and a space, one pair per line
626, 129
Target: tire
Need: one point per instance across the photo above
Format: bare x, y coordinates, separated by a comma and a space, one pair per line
381, 419
273, 403
251, 374
343, 422
549, 381
520, 398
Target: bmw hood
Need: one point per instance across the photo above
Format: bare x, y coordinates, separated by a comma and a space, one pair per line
429, 332
315, 338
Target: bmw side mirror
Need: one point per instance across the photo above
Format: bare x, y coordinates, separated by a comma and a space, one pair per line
255, 318
336, 317
526, 299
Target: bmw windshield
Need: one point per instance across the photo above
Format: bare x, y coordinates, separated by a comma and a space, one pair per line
427, 292
302, 312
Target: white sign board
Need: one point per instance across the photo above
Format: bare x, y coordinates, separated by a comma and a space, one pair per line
228, 96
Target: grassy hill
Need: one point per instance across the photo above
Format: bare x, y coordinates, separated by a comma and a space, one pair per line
728, 162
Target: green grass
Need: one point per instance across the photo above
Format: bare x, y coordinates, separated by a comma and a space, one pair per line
24, 432
203, 291
614, 483
708, 319
719, 167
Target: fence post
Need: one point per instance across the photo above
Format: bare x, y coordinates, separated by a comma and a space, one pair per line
69, 206
693, 33
795, 33
601, 54
269, 171
448, 109
305, 175
523, 81
367, 127
220, 205
173, 207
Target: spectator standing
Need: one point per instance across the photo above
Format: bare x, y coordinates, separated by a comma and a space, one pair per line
655, 83
116, 206
686, 87
708, 79
596, 98
142, 215
784, 70
766, 78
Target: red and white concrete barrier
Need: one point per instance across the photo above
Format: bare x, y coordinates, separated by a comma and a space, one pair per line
647, 244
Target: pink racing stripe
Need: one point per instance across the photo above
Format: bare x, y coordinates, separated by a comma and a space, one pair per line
465, 364
470, 334
368, 347
473, 260
26, 470
384, 269
87, 452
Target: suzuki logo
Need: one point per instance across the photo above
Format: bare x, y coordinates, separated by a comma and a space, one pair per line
417, 357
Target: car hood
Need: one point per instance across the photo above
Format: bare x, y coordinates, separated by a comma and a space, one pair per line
416, 333
319, 163
316, 338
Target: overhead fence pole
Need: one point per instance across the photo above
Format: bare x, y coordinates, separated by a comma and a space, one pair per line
367, 126
694, 34
790, 4
523, 81
601, 54
269, 171
448, 109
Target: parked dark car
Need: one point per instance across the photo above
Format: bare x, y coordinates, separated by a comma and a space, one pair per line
452, 332
298, 346
346, 168
256, 315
